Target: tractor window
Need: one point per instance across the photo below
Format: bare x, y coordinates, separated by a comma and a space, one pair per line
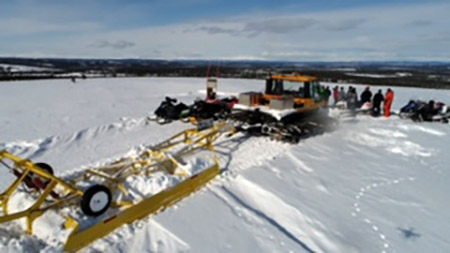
294, 88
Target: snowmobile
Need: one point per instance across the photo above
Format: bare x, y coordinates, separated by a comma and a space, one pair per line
411, 109
169, 110
212, 108
366, 108
420, 111
289, 109
200, 110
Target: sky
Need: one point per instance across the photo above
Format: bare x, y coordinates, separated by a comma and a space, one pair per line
291, 30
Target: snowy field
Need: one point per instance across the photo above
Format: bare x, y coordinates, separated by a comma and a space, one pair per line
373, 185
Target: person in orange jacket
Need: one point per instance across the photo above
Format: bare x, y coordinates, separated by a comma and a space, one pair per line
388, 99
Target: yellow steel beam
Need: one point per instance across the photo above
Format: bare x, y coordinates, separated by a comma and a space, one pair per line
7, 194
294, 78
79, 239
33, 212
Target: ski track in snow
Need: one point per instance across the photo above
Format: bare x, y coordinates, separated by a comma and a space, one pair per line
250, 201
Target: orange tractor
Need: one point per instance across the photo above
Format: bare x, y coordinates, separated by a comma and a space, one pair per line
285, 96
288, 109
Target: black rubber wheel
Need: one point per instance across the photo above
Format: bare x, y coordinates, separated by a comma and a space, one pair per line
96, 200
31, 176
46, 167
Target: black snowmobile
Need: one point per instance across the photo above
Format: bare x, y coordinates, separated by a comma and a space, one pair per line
169, 110
218, 109
420, 111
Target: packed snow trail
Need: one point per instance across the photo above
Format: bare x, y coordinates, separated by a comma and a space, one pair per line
314, 184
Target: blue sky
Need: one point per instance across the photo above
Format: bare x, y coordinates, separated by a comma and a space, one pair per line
308, 30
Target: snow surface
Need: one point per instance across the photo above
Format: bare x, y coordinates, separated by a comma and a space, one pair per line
396, 75
373, 185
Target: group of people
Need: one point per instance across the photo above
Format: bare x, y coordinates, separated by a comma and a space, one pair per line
350, 98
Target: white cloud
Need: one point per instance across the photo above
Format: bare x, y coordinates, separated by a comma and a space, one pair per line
120, 44
24, 26
351, 34
421, 22
345, 24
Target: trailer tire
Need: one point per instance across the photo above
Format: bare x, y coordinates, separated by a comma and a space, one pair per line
31, 177
46, 167
96, 200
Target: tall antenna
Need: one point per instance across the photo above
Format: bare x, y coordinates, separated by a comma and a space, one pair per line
218, 70
208, 70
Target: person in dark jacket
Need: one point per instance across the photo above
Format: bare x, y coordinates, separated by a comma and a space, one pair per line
327, 94
377, 100
341, 94
350, 89
352, 99
366, 96
427, 112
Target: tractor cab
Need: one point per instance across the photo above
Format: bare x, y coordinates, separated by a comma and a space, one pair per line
297, 86
304, 91
285, 95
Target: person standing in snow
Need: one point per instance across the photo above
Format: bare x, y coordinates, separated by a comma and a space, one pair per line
366, 96
377, 100
352, 99
322, 92
327, 95
350, 90
388, 100
336, 95
341, 94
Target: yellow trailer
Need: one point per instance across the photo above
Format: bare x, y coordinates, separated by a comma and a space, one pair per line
53, 193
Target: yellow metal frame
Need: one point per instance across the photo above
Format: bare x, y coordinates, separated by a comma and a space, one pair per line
25, 168
294, 78
113, 175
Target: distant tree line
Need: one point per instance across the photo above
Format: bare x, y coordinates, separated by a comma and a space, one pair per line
427, 75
